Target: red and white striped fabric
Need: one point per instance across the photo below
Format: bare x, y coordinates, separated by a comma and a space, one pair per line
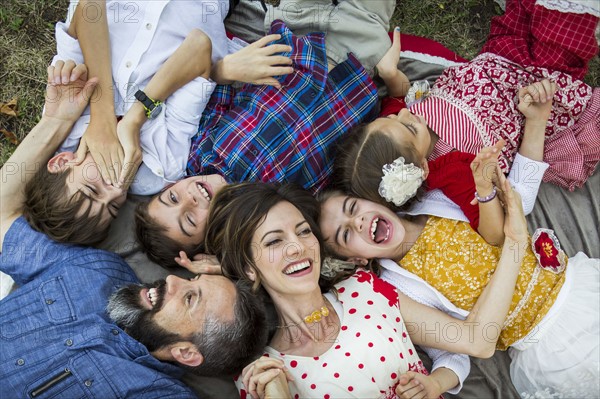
474, 104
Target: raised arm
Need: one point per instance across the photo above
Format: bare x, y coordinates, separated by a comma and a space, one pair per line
90, 27
64, 104
191, 60
492, 306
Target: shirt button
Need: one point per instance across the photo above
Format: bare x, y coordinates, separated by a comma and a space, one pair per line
313, 94
254, 152
20, 362
159, 172
69, 342
115, 331
88, 383
49, 301
148, 26
128, 64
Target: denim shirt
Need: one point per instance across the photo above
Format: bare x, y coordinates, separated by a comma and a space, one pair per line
56, 339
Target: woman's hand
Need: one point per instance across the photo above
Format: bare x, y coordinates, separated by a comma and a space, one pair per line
267, 378
416, 386
535, 100
202, 263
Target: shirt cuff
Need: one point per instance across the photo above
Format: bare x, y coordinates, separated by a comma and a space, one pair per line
526, 176
459, 364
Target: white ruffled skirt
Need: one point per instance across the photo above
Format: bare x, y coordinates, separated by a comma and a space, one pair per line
561, 358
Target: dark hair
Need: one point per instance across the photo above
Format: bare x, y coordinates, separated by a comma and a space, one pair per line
359, 162
49, 209
154, 241
227, 346
237, 211
227, 349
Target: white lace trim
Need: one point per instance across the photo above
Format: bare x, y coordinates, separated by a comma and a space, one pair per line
431, 59
511, 317
572, 6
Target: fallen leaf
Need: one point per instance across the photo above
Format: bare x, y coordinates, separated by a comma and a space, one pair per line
10, 136
9, 108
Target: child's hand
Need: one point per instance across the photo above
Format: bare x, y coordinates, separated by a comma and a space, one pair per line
387, 67
535, 100
68, 91
202, 263
515, 225
484, 168
417, 385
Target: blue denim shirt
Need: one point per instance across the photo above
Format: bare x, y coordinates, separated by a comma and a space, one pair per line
56, 339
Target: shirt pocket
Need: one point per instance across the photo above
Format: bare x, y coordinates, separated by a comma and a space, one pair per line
56, 383
51, 306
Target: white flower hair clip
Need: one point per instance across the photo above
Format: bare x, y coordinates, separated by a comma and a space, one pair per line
418, 92
400, 181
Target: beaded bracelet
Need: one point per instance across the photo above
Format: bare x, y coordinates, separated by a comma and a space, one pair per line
490, 197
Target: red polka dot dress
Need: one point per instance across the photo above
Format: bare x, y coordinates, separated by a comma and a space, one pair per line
369, 352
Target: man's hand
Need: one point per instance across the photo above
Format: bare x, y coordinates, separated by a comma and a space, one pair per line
202, 263
256, 63
67, 99
535, 100
416, 386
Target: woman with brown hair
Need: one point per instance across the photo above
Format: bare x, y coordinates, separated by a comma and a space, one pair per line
341, 334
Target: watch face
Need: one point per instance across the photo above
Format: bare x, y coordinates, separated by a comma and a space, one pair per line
154, 113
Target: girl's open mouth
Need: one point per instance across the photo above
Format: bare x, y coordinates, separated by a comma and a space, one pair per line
380, 230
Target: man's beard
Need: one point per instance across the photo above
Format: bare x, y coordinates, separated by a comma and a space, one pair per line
125, 310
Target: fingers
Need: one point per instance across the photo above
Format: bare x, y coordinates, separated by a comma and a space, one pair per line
129, 168
538, 92
62, 72
79, 72
263, 41
81, 152
396, 38
411, 389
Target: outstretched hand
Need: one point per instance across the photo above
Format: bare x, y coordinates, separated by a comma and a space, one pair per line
257, 63
202, 263
68, 91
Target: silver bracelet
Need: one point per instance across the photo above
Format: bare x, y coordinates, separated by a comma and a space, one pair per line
490, 197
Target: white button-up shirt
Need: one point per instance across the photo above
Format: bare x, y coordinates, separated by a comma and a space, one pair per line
143, 34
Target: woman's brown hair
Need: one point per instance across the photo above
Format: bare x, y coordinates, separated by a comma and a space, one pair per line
238, 210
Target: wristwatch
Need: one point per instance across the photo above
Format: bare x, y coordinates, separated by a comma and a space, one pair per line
152, 107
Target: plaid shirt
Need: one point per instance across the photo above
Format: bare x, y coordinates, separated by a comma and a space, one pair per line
288, 134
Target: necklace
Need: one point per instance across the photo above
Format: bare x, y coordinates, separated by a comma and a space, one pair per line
313, 317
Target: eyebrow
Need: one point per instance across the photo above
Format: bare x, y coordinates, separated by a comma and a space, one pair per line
102, 206
337, 232
410, 128
281, 231
180, 222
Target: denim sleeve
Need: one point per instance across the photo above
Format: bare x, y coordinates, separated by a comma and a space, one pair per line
27, 253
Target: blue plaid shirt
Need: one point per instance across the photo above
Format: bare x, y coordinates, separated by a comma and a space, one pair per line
288, 134
55, 337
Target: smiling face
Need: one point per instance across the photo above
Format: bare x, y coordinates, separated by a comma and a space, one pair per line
183, 207
405, 129
354, 227
286, 252
172, 307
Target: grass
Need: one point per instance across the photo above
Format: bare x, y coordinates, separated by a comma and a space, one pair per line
27, 46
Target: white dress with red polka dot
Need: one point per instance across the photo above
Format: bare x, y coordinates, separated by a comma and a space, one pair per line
368, 355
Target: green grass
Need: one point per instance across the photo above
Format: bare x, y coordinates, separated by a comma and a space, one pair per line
27, 46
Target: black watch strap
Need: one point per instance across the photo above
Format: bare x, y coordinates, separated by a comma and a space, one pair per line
152, 107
